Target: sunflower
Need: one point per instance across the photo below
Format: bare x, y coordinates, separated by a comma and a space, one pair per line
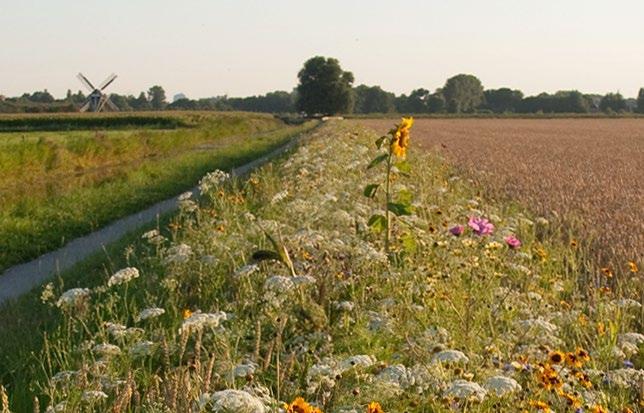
374, 407
400, 137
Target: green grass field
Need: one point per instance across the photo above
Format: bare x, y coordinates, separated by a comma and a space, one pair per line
55, 184
444, 323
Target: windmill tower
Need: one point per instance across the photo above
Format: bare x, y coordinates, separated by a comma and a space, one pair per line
97, 99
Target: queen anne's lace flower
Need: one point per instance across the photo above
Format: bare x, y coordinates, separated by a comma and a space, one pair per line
450, 356
106, 350
212, 180
199, 321
123, 276
93, 396
501, 385
150, 313
236, 401
466, 390
73, 297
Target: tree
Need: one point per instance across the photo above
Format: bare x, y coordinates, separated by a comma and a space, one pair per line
436, 102
503, 99
121, 102
463, 93
612, 102
324, 88
640, 101
156, 97
140, 103
373, 100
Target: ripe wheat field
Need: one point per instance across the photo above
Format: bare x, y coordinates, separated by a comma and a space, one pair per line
585, 173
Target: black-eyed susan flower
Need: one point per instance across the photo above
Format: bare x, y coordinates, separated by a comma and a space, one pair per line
598, 409
632, 266
608, 273
572, 400
556, 357
539, 405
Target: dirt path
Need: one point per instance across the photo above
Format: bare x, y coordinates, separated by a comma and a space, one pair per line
22, 278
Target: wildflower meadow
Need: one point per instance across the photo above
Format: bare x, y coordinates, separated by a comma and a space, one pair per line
356, 274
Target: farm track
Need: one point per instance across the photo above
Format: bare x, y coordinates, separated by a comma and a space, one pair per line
22, 278
585, 173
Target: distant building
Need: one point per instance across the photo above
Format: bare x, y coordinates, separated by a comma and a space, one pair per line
178, 96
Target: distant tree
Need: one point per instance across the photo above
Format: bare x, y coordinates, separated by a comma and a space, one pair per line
121, 102
139, 103
436, 102
183, 104
156, 97
41, 97
612, 102
502, 100
324, 87
640, 101
463, 93
372, 99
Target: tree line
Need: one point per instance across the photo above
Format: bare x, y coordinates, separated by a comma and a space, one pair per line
324, 88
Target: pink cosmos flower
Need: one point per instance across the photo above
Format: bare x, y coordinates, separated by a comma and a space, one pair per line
457, 230
512, 241
481, 226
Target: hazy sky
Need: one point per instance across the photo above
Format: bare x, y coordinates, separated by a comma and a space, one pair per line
207, 48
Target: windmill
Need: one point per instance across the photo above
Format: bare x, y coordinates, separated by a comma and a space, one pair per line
97, 100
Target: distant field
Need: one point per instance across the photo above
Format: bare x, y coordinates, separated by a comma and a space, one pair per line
589, 172
60, 183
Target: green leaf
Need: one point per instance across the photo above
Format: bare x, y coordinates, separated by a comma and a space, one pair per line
378, 223
380, 141
409, 243
405, 196
400, 208
404, 167
370, 190
377, 160
263, 255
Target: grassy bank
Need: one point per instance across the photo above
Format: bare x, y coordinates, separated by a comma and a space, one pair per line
446, 323
54, 184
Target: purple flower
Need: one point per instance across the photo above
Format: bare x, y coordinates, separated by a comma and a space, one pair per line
512, 241
628, 364
481, 226
457, 230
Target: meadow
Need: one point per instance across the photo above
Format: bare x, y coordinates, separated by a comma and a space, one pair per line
279, 293
585, 175
58, 171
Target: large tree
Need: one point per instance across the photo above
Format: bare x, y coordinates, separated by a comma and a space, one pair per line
372, 99
156, 97
503, 99
612, 102
463, 93
324, 88
640, 101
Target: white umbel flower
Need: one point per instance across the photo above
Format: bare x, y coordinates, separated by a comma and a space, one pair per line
152, 312
73, 297
466, 390
236, 401
106, 350
123, 276
450, 356
199, 321
93, 396
501, 385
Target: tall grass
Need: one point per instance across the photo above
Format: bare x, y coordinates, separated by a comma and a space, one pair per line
54, 185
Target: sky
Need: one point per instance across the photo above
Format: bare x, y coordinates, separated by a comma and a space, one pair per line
206, 48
